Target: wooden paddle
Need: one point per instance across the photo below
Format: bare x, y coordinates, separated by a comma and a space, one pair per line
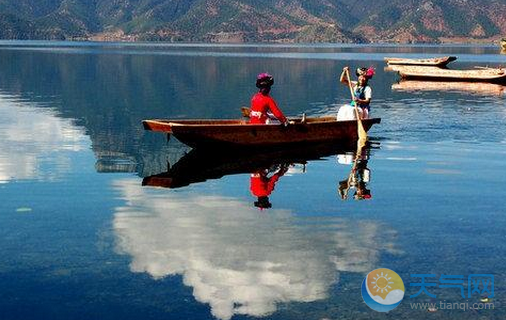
245, 111
485, 68
362, 134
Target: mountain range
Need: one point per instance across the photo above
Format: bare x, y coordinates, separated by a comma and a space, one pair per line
406, 21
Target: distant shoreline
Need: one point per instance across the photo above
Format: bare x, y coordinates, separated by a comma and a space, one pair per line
134, 39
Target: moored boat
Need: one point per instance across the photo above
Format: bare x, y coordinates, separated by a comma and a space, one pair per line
503, 44
473, 88
493, 75
240, 133
435, 62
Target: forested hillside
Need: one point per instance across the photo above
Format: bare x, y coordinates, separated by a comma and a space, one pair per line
255, 20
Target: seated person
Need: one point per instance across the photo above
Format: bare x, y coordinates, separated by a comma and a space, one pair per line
263, 106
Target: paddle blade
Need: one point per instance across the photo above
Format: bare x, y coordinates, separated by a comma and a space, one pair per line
361, 142
362, 134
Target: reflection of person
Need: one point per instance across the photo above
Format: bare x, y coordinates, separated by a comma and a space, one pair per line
262, 102
362, 192
262, 185
358, 179
361, 90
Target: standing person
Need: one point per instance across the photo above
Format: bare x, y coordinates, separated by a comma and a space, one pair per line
262, 102
361, 89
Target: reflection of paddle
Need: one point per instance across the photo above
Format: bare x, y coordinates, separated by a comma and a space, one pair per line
360, 145
362, 134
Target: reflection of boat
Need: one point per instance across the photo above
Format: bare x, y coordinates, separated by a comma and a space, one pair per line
480, 88
200, 165
207, 133
496, 75
436, 62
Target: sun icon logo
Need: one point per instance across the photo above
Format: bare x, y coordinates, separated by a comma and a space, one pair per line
382, 283
382, 290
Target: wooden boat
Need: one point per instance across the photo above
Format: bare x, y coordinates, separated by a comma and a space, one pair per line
503, 44
473, 88
240, 133
435, 62
493, 75
200, 165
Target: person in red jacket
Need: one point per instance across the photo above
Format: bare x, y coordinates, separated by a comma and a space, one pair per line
261, 185
262, 103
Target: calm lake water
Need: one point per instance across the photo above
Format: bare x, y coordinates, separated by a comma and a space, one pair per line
82, 238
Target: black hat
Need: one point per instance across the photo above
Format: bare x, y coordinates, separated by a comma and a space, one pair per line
367, 72
263, 203
361, 72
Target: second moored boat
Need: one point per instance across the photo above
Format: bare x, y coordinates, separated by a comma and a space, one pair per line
434, 62
493, 75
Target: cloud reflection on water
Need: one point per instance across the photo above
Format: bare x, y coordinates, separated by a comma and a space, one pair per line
238, 259
31, 138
